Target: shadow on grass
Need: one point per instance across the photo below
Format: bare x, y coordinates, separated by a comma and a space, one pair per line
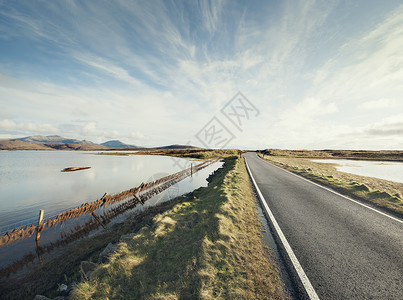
170, 251
173, 256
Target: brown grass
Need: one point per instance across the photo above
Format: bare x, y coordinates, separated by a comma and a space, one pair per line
383, 193
191, 153
208, 246
386, 155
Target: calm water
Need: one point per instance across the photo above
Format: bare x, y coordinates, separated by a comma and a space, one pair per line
32, 180
380, 169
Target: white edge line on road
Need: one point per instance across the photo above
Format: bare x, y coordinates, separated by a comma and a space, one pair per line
294, 260
334, 192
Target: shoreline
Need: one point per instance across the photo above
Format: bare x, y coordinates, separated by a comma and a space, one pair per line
149, 224
208, 245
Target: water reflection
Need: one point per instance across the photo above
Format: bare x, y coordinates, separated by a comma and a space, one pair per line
31, 180
380, 169
26, 251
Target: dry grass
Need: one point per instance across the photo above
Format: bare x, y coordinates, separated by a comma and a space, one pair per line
191, 153
207, 246
65, 268
383, 193
386, 155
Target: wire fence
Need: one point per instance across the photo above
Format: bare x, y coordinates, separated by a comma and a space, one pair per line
138, 195
32, 219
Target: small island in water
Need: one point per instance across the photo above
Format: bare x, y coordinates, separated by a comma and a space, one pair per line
71, 169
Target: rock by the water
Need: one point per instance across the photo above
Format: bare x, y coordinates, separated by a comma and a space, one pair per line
127, 237
87, 268
104, 255
62, 288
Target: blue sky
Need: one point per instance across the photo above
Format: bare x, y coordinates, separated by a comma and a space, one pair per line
322, 74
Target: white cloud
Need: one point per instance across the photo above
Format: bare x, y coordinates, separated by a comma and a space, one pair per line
10, 125
90, 129
137, 136
307, 111
211, 12
387, 131
367, 67
379, 135
108, 68
157, 73
387, 127
379, 104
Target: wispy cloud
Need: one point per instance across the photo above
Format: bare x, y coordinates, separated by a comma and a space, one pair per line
366, 67
108, 68
211, 13
380, 104
158, 70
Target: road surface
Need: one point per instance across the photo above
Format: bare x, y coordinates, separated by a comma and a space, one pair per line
347, 250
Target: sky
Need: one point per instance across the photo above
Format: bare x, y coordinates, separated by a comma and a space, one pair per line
236, 74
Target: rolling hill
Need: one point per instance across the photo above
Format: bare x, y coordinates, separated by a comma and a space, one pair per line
51, 142
116, 144
56, 142
53, 139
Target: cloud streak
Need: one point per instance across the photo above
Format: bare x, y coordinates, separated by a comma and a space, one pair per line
158, 71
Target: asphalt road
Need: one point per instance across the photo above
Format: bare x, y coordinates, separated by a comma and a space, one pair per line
348, 251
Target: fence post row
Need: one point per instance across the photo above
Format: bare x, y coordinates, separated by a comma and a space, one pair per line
147, 190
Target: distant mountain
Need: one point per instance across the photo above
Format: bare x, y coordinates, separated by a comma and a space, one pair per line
56, 142
115, 144
75, 146
21, 145
40, 139
51, 142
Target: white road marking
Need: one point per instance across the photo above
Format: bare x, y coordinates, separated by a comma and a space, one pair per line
334, 192
294, 260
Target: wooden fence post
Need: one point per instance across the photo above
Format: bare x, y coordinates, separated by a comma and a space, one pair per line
40, 225
98, 219
140, 187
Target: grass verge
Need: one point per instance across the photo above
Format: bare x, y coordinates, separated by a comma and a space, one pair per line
384, 155
383, 193
208, 245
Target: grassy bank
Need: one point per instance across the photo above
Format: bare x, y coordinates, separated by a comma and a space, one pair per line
207, 246
384, 155
383, 193
190, 153
65, 269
